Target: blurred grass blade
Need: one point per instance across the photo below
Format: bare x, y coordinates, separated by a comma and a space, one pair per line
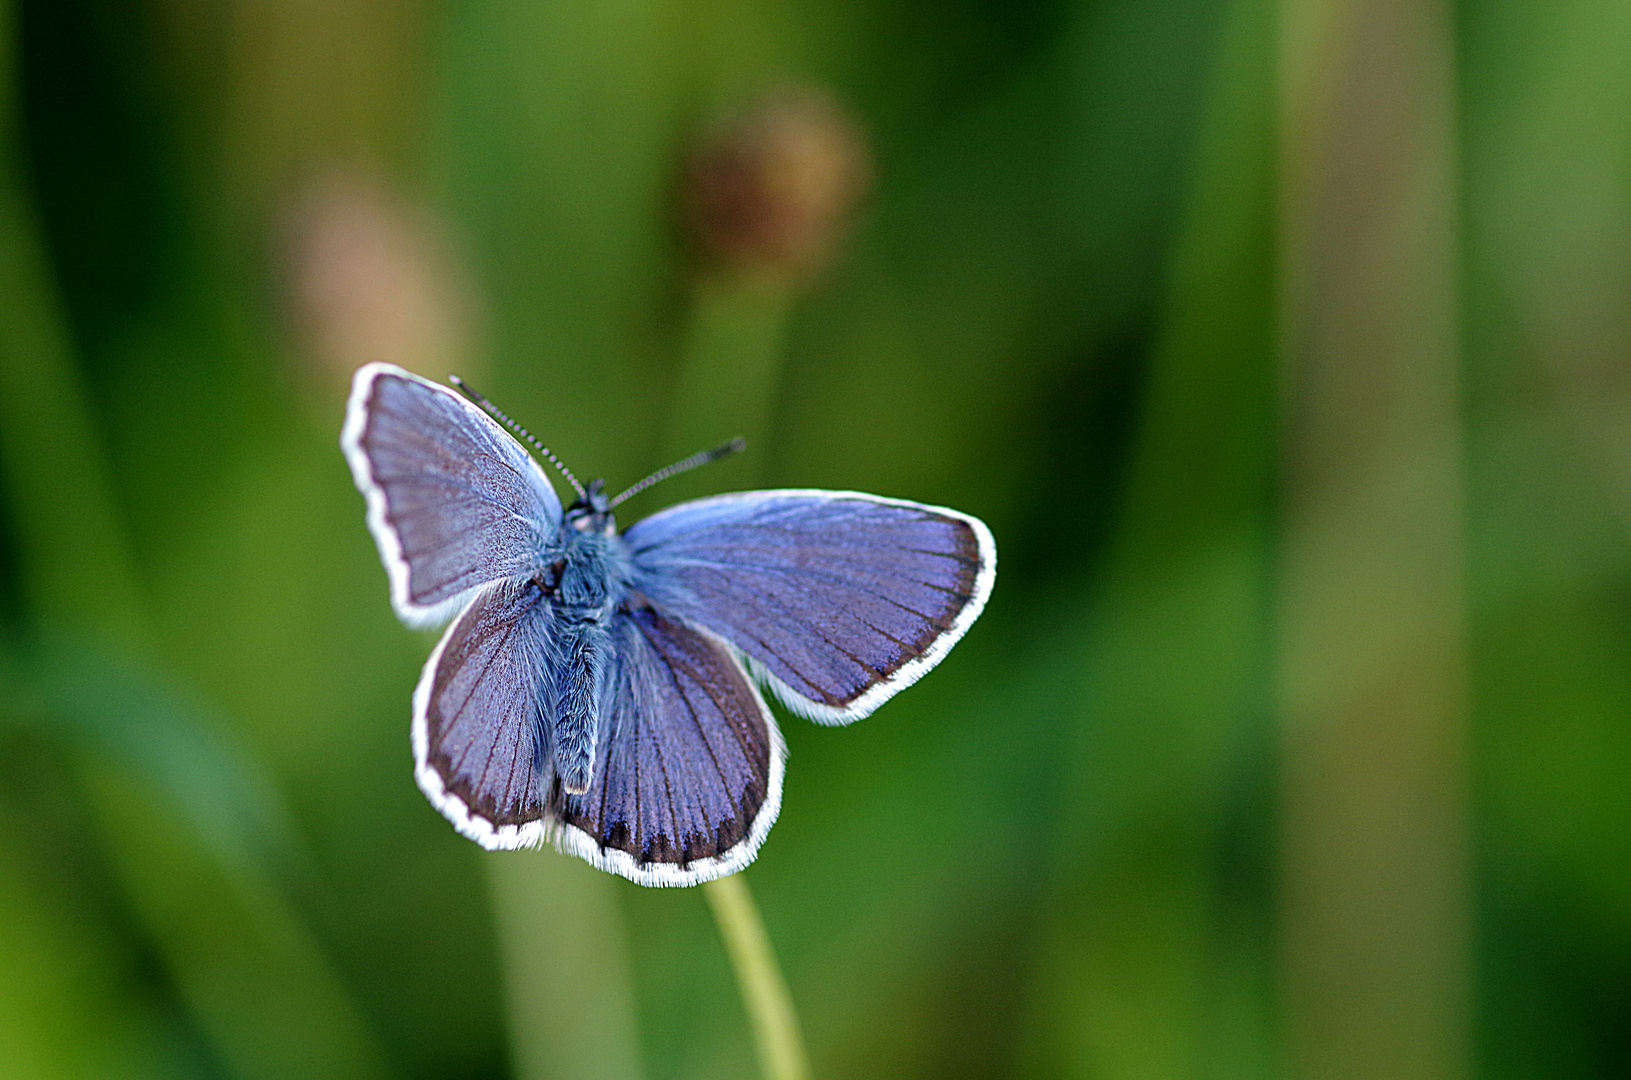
194, 828
121, 710
568, 984
57, 487
61, 1007
1374, 851
250, 971
1133, 982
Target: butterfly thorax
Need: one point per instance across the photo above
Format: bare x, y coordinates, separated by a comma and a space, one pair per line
588, 580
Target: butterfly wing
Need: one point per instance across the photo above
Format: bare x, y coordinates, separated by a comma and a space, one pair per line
482, 714
688, 764
838, 599
688, 770
453, 501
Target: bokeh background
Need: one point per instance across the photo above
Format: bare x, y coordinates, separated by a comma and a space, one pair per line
1285, 346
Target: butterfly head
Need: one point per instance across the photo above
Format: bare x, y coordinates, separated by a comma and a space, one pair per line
593, 512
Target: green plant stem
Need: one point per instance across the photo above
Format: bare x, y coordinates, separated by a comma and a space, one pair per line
764, 993
729, 375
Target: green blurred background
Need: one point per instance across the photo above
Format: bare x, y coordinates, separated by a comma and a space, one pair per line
1285, 347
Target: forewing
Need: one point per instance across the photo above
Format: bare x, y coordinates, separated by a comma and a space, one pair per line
481, 717
688, 768
839, 599
453, 501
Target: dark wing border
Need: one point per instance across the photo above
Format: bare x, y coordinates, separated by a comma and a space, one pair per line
571, 840
527, 834
909, 672
575, 841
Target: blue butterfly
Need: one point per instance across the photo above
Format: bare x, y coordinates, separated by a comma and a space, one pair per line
596, 689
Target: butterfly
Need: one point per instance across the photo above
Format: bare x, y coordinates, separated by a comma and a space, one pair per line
599, 689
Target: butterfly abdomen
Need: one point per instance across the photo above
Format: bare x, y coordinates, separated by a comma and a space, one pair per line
590, 587
579, 694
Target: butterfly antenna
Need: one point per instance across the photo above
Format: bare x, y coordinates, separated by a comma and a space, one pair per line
735, 446
470, 392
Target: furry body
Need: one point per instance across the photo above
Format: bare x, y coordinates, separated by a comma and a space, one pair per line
583, 587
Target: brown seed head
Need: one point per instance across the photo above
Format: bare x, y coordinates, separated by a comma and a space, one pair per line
771, 189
